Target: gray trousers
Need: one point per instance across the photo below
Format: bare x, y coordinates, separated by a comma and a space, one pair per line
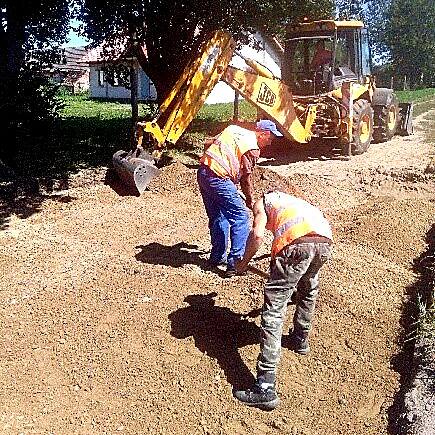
295, 269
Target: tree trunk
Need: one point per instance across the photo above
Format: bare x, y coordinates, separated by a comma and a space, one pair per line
236, 107
15, 39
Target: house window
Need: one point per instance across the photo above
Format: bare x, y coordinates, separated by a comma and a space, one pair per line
100, 77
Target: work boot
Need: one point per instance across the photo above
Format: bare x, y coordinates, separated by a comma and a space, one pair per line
298, 343
213, 264
230, 272
260, 395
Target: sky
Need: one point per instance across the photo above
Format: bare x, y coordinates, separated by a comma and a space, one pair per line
74, 40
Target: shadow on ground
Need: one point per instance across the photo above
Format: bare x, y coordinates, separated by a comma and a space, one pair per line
43, 164
283, 152
421, 292
175, 256
218, 333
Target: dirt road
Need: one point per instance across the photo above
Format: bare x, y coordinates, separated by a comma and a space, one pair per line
110, 324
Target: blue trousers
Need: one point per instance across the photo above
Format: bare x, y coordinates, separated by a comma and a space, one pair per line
228, 217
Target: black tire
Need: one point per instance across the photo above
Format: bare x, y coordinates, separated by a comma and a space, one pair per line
386, 120
362, 132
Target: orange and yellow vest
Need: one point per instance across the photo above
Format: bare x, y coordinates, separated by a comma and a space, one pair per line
289, 218
224, 155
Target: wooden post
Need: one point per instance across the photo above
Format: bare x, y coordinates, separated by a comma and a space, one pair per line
134, 101
236, 106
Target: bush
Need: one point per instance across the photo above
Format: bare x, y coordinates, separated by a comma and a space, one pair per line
28, 104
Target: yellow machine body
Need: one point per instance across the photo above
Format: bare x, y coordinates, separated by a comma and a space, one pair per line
345, 104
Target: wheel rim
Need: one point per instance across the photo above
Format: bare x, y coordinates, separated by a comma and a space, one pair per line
365, 128
391, 123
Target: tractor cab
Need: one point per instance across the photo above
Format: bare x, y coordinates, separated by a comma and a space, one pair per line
321, 55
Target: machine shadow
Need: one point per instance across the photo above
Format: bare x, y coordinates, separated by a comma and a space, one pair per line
175, 256
282, 152
112, 180
218, 333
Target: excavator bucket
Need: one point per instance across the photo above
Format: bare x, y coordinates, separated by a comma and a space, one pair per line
135, 168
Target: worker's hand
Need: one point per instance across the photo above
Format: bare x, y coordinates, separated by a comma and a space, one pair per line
241, 266
208, 142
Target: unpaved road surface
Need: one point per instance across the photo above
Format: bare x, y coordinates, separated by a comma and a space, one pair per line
111, 325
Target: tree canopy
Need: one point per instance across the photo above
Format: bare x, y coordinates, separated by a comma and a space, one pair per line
29, 35
172, 29
410, 36
29, 31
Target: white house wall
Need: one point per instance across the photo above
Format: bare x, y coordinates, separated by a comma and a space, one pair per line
222, 93
146, 89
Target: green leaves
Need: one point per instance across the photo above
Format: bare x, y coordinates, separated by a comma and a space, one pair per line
410, 36
171, 30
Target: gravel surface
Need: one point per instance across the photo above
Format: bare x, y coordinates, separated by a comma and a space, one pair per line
111, 324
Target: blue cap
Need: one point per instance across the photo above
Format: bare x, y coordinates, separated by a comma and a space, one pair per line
268, 125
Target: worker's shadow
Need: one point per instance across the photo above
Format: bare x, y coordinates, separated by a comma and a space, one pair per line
175, 256
218, 333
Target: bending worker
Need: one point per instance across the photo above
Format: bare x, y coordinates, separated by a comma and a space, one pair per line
301, 245
229, 159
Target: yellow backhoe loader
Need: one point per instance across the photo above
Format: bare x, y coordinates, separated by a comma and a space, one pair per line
326, 90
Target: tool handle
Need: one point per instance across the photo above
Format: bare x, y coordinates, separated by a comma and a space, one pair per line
257, 271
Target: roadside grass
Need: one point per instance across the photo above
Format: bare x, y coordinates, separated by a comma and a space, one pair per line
416, 95
86, 136
96, 129
423, 99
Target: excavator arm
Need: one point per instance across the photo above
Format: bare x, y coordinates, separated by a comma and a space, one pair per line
177, 111
274, 98
259, 87
190, 91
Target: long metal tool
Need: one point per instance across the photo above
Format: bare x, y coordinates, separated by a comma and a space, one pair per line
258, 271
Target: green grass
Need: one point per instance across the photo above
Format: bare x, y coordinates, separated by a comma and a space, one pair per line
423, 99
83, 106
416, 96
90, 132
87, 135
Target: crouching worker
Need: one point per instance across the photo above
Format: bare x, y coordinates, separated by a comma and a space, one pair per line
301, 245
229, 159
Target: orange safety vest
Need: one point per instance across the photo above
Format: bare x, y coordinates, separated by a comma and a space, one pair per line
289, 218
224, 155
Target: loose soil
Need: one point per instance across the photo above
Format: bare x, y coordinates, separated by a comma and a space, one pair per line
110, 322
